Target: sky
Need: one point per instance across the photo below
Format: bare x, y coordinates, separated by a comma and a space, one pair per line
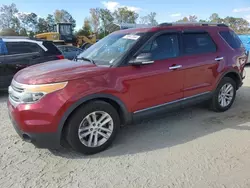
167, 10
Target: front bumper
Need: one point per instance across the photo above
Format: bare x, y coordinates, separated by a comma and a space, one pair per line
50, 140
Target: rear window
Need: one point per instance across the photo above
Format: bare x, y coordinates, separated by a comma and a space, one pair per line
196, 43
22, 47
52, 49
232, 39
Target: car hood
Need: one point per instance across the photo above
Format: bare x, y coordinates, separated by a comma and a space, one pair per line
56, 71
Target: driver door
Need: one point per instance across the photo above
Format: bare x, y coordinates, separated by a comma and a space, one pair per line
152, 86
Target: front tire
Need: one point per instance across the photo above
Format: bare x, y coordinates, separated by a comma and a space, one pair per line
224, 95
93, 127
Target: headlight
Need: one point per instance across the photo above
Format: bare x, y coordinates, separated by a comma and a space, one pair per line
33, 93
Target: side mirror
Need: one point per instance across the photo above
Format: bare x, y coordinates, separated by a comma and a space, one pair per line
142, 59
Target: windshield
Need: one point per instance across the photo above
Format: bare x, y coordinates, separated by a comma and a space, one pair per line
65, 29
108, 50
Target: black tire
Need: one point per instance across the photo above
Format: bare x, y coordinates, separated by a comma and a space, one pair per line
215, 105
76, 119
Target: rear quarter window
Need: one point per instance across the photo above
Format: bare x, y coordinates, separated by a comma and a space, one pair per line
52, 49
232, 39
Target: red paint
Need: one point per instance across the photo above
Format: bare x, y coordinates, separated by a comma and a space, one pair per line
60, 56
138, 87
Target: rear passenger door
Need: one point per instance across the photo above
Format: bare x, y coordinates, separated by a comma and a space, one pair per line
201, 60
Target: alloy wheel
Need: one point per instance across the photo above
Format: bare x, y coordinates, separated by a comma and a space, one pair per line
95, 129
226, 95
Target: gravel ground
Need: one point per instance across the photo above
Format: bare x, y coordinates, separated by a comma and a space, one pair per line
189, 148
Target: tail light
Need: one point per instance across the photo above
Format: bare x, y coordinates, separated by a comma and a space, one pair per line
60, 56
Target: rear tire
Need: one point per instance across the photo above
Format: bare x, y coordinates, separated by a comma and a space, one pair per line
224, 95
85, 134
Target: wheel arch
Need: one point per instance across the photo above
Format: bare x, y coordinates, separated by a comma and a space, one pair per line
235, 75
124, 114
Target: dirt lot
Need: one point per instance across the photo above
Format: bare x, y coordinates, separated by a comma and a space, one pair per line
190, 148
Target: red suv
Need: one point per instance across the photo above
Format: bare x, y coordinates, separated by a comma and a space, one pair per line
128, 75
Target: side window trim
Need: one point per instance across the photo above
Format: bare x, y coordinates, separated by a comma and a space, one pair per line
195, 32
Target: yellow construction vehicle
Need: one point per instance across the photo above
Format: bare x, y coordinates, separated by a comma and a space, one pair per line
63, 34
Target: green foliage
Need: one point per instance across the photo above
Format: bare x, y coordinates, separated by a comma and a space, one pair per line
124, 15
185, 19
86, 29
149, 19
94, 19
191, 18
239, 25
42, 26
29, 21
8, 18
23, 32
64, 16
106, 18
50, 20
12, 22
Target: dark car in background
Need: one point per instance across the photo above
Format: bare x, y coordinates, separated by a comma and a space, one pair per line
69, 52
17, 53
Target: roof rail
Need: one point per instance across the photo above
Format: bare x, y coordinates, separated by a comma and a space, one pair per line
193, 23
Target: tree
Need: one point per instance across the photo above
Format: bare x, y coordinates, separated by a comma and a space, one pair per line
185, 19
215, 18
95, 22
239, 25
16, 25
8, 18
106, 18
86, 29
201, 20
124, 15
64, 16
192, 18
51, 22
29, 21
149, 19
143, 20
23, 32
42, 26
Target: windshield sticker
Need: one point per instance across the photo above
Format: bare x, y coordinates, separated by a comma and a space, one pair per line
131, 37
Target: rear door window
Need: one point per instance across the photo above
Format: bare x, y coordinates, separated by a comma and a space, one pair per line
232, 39
197, 43
22, 47
163, 47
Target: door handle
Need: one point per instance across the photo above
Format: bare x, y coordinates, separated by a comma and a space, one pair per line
175, 67
219, 58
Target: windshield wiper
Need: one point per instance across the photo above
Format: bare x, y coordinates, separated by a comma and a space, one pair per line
86, 59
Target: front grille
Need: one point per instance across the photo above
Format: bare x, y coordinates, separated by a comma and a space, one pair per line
20, 90
15, 92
